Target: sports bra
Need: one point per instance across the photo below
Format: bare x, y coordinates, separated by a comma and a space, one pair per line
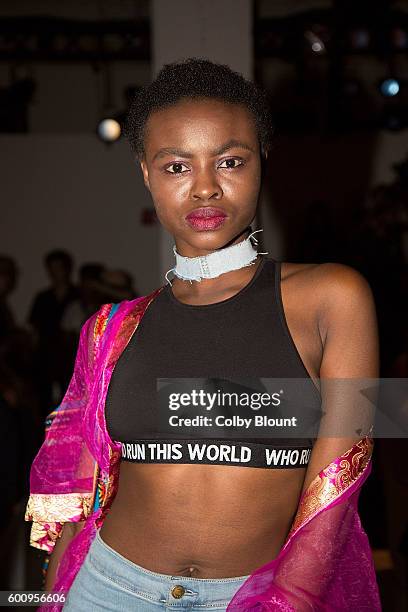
243, 338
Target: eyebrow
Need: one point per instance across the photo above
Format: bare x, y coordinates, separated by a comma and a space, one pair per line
231, 144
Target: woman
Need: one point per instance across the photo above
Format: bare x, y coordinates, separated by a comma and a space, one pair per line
222, 525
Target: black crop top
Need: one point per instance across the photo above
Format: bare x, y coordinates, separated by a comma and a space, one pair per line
243, 338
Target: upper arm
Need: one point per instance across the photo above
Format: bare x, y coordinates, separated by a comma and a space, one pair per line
348, 327
348, 321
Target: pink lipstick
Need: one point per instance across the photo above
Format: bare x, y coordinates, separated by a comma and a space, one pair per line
206, 218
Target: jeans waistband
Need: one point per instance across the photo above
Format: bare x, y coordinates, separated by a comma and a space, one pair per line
113, 565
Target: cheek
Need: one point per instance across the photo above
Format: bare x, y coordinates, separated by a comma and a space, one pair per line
244, 186
168, 192
165, 200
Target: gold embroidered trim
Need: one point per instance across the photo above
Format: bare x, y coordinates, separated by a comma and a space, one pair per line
50, 512
332, 481
61, 507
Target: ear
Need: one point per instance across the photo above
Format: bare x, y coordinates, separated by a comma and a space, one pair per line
145, 173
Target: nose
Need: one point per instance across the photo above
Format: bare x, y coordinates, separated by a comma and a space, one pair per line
206, 186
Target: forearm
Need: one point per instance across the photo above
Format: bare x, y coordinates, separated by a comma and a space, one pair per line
69, 531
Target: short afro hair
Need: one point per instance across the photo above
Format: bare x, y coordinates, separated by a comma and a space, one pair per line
197, 78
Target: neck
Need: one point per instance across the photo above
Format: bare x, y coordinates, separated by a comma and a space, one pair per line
187, 251
213, 290
233, 257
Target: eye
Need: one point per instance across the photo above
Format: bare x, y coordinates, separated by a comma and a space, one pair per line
176, 168
231, 162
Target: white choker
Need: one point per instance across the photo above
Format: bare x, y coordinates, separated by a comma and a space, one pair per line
218, 262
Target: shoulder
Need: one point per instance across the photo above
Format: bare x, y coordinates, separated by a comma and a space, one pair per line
332, 281
322, 271
343, 289
99, 321
334, 291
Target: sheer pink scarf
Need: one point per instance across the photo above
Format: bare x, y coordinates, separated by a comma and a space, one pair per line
326, 562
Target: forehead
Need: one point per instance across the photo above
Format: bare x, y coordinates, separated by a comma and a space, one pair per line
202, 123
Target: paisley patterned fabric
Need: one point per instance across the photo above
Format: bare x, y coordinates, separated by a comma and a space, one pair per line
325, 563
332, 482
49, 512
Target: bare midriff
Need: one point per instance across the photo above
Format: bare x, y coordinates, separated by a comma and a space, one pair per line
204, 521
216, 521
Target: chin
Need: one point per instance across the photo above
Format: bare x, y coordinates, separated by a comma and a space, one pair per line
214, 240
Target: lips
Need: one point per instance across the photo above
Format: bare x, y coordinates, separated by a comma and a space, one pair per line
206, 212
206, 218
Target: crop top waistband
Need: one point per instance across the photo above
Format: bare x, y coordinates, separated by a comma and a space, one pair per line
217, 452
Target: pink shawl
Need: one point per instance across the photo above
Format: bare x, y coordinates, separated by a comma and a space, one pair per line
325, 563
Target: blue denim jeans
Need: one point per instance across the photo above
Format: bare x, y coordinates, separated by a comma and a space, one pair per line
109, 581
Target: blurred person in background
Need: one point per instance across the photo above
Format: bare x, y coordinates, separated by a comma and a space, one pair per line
16, 346
89, 298
97, 285
23, 433
54, 359
119, 285
21, 424
10, 475
8, 280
